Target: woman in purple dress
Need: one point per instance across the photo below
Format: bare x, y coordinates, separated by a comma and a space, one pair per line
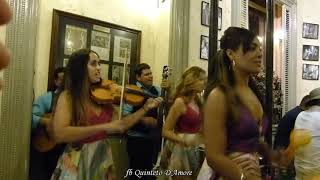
234, 119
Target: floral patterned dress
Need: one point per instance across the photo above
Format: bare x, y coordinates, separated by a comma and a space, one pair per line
90, 158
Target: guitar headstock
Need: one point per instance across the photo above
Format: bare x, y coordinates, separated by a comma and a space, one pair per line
166, 72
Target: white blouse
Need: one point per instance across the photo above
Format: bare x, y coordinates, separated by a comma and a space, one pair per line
307, 158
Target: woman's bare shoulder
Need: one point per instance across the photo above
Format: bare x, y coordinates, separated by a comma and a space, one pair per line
217, 94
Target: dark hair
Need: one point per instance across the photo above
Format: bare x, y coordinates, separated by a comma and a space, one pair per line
308, 104
57, 71
140, 67
77, 84
304, 102
186, 85
222, 71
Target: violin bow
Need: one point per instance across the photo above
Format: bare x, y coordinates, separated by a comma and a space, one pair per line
123, 82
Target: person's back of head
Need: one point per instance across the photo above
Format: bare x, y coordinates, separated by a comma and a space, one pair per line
303, 102
312, 99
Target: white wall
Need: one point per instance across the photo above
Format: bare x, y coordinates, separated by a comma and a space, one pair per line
143, 15
196, 30
161, 40
306, 12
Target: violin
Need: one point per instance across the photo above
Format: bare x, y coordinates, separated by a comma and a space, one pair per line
109, 92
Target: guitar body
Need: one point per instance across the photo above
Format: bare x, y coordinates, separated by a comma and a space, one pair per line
41, 141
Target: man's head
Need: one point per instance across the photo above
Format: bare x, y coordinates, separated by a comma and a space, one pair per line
59, 77
313, 98
143, 74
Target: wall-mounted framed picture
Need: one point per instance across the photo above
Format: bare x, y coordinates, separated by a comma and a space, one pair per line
205, 13
310, 31
204, 47
115, 44
219, 18
310, 72
310, 53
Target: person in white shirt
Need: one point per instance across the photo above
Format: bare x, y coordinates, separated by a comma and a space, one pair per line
307, 157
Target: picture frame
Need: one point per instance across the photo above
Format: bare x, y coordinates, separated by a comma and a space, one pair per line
310, 72
219, 18
204, 47
310, 53
114, 43
205, 13
310, 31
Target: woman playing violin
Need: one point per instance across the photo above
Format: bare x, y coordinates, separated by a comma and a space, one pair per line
85, 124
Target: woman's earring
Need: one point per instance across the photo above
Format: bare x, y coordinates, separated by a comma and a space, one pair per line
233, 63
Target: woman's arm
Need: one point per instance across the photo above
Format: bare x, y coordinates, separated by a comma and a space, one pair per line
215, 114
175, 112
64, 132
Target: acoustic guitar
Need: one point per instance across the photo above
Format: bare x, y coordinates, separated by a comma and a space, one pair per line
42, 141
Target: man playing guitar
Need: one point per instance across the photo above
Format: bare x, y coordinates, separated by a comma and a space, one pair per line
44, 153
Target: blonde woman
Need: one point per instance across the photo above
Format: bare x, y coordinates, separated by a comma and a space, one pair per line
183, 125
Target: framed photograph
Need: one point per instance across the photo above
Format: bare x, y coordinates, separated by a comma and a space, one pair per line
205, 13
100, 43
219, 18
310, 53
310, 72
118, 72
75, 38
204, 47
310, 31
122, 49
115, 44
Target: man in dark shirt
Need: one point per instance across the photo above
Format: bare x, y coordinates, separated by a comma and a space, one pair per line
144, 138
282, 138
286, 125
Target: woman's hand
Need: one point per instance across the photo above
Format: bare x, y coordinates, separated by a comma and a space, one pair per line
284, 157
249, 165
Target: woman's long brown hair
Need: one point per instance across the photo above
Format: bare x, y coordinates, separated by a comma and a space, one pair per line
77, 84
186, 86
